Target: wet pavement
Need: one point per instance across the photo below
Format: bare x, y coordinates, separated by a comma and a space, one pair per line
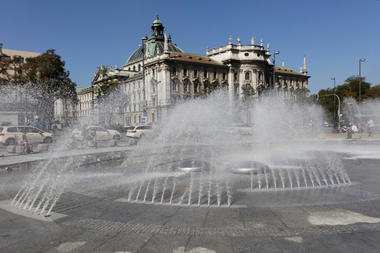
335, 219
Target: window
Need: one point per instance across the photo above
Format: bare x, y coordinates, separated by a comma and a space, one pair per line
247, 77
134, 68
205, 74
185, 72
224, 76
19, 72
33, 130
22, 129
196, 87
174, 71
235, 77
246, 54
12, 130
139, 67
195, 73
215, 75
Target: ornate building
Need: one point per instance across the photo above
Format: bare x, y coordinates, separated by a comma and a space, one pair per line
159, 74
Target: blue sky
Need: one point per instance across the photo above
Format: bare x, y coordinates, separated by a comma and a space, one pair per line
332, 34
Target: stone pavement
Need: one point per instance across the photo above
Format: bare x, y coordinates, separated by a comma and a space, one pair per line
338, 219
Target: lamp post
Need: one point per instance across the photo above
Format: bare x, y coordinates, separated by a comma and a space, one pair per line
274, 66
143, 40
333, 78
360, 79
338, 105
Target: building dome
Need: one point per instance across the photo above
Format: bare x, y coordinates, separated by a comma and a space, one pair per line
155, 48
155, 43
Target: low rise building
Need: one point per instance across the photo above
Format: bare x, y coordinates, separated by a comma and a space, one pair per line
11, 61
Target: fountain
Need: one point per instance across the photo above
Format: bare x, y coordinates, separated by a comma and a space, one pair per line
200, 158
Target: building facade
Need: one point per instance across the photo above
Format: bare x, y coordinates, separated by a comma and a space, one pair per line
17, 58
159, 75
15, 103
85, 100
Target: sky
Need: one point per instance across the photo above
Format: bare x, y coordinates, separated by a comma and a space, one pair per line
332, 34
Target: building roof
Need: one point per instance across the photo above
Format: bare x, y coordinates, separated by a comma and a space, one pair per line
155, 47
84, 90
25, 54
286, 70
193, 58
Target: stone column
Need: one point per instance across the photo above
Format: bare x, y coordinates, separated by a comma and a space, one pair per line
231, 86
241, 83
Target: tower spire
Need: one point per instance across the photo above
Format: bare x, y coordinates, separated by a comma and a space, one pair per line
304, 70
157, 29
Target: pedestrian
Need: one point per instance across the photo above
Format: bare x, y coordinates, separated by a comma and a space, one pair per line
370, 127
349, 131
28, 148
354, 129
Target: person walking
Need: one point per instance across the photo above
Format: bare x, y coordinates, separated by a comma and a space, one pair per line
371, 127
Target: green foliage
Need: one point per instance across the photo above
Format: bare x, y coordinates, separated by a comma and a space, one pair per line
349, 89
46, 79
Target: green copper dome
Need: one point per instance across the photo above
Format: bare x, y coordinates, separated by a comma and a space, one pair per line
155, 43
155, 48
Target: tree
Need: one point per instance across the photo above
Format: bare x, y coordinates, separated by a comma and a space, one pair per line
373, 92
50, 81
349, 89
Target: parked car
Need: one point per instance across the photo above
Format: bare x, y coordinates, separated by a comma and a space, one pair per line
101, 134
127, 128
139, 131
10, 135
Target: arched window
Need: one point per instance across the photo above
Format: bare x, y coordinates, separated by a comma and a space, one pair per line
139, 67
185, 72
247, 76
235, 77
134, 68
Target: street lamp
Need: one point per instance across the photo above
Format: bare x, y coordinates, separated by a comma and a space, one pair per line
333, 78
360, 78
274, 66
